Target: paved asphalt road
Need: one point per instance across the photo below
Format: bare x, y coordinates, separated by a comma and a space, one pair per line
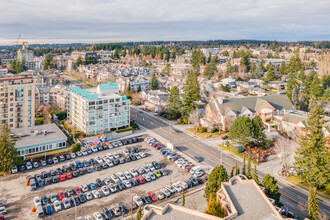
293, 199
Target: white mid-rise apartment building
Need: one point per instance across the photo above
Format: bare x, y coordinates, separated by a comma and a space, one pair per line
98, 110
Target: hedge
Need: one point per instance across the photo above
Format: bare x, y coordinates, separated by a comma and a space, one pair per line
124, 129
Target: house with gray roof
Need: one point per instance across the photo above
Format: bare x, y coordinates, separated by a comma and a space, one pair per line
221, 113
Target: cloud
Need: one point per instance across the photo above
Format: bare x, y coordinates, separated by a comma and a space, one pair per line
119, 20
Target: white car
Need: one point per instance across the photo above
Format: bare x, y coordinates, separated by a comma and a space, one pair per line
198, 174
79, 218
94, 149
138, 201
52, 197
137, 156
107, 181
55, 160
98, 216
37, 201
115, 178
165, 192
183, 185
160, 195
43, 163
121, 176
116, 156
96, 194
134, 172
146, 168
142, 154
14, 170
73, 155
88, 217
66, 203
99, 160
113, 187
84, 187
170, 188
147, 177
88, 195
105, 190
177, 187
152, 176
28, 166
109, 162
57, 206
128, 175
151, 167
84, 152
35, 164
127, 184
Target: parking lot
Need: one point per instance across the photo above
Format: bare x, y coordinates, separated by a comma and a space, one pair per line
19, 197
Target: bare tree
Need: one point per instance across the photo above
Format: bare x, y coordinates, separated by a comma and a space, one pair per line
283, 149
194, 118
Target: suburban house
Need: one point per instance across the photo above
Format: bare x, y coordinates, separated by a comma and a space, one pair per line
295, 123
155, 98
221, 113
140, 82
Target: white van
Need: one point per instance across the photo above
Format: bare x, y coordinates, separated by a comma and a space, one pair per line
195, 169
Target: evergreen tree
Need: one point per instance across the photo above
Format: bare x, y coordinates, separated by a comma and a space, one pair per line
225, 53
315, 87
174, 101
9, 156
241, 130
139, 88
245, 62
303, 103
248, 174
191, 94
313, 206
292, 83
312, 103
232, 172
282, 68
183, 199
243, 167
214, 207
216, 177
272, 190
123, 53
116, 54
294, 96
270, 74
237, 171
229, 67
211, 68
258, 128
294, 64
78, 62
139, 213
23, 66
153, 82
166, 70
313, 158
255, 175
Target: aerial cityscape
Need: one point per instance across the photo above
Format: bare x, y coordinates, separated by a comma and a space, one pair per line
147, 110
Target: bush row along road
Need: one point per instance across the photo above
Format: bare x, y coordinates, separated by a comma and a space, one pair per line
294, 200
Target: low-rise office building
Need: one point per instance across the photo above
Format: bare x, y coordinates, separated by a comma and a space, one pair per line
38, 139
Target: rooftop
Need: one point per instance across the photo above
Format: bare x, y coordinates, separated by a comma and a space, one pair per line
27, 136
248, 199
108, 90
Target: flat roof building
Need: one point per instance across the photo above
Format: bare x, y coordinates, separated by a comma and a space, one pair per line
98, 110
38, 139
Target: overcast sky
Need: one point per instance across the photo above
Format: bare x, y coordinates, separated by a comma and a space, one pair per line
53, 21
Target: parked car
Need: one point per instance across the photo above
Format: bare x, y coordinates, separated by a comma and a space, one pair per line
55, 160
165, 192
77, 190
88, 195
107, 213
96, 194
35, 164
28, 166
57, 206
138, 201
146, 199
98, 216
152, 196
66, 203
105, 190
48, 209
61, 194
116, 210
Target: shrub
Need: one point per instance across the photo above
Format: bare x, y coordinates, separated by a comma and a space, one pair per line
213, 130
61, 115
77, 134
202, 129
185, 121
179, 121
124, 129
75, 147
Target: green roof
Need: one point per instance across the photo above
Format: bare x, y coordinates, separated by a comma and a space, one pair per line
108, 86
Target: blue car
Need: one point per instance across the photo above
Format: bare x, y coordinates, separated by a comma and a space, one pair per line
92, 186
167, 154
79, 164
86, 164
48, 209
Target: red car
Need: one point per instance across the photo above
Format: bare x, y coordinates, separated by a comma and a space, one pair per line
62, 177
155, 145
140, 179
152, 196
61, 195
68, 175
187, 168
77, 190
